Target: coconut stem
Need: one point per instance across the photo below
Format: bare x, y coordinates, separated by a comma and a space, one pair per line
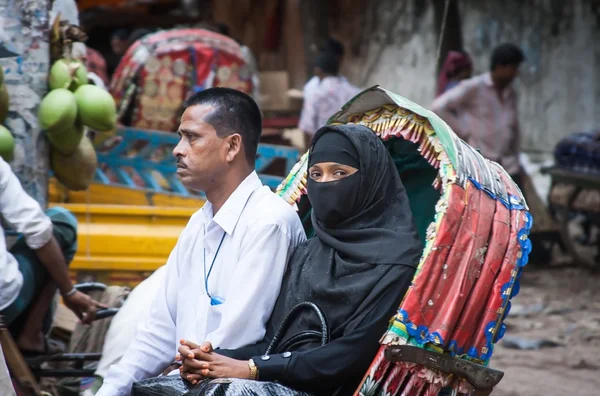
67, 45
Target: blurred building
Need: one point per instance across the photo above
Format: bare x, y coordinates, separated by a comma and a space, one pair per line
394, 42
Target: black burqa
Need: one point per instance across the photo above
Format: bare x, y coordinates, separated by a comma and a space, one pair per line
356, 269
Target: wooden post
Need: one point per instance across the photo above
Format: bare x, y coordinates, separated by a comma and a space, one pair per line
314, 15
295, 59
25, 57
452, 40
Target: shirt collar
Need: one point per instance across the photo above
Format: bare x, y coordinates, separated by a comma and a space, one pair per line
229, 214
487, 79
339, 78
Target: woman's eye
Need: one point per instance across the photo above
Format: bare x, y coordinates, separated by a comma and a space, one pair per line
315, 175
339, 173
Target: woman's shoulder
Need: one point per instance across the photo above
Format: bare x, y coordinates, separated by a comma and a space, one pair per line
305, 247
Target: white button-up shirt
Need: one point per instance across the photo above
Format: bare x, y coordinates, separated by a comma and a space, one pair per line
25, 216
261, 232
322, 100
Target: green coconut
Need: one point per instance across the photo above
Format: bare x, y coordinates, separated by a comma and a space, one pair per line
7, 144
4, 102
96, 108
58, 110
76, 171
67, 74
65, 140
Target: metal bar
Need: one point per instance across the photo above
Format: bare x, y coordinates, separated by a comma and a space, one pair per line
58, 373
105, 313
177, 186
125, 179
150, 180
64, 357
90, 286
262, 162
101, 176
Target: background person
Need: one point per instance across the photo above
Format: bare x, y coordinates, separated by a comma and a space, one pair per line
483, 110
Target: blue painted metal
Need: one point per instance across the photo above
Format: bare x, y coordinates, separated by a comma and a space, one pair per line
134, 155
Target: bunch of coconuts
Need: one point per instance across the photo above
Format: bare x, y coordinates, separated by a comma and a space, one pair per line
72, 105
7, 142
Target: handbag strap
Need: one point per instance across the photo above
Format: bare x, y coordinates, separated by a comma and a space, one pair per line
324, 334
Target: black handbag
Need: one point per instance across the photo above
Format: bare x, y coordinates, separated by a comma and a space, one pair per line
303, 337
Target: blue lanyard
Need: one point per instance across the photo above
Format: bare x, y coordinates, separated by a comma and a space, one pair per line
213, 300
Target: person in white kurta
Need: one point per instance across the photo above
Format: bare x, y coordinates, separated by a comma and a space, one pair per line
224, 275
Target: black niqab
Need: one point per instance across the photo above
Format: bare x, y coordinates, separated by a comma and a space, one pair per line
348, 266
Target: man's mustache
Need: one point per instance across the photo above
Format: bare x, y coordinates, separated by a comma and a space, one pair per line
180, 163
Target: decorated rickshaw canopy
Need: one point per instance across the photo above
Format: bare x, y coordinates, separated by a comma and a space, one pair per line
159, 71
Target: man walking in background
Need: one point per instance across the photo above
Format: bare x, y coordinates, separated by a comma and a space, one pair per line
333, 47
327, 97
483, 110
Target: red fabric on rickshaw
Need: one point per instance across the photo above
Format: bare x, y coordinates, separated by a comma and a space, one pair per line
500, 292
477, 302
425, 284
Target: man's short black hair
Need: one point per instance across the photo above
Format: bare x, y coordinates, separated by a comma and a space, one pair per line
333, 46
234, 112
328, 63
506, 54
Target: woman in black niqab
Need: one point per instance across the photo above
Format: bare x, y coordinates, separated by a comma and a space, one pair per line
357, 269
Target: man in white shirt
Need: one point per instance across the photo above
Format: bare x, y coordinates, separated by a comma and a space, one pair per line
327, 97
36, 265
331, 46
224, 275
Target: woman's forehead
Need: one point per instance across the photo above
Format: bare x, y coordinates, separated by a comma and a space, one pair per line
330, 164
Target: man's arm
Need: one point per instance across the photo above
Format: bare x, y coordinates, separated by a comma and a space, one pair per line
25, 215
452, 104
82, 305
155, 344
254, 288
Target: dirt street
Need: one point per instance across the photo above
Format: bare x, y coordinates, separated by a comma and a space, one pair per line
558, 308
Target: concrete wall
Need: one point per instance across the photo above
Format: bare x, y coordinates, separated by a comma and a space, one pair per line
560, 83
25, 61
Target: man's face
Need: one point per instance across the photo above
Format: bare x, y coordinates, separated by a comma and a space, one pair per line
118, 46
506, 74
202, 156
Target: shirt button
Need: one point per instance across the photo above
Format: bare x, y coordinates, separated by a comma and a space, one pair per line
265, 357
286, 354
